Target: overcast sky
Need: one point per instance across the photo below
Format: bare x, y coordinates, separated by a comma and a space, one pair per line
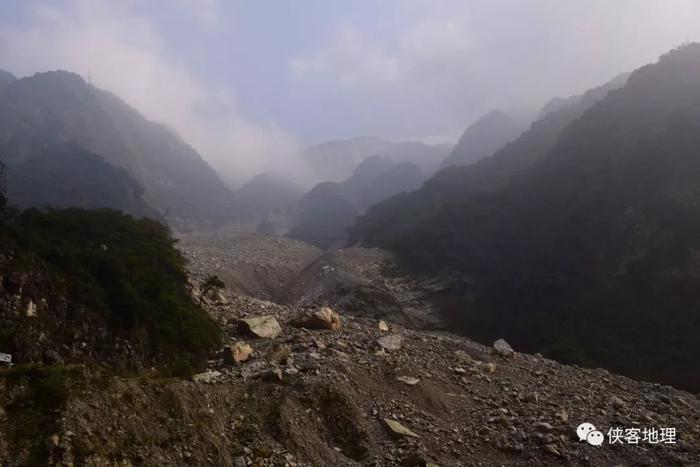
249, 82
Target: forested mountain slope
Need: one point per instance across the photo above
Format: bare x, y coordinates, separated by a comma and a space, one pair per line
590, 255
44, 111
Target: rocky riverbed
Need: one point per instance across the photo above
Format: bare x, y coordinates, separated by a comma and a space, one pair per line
327, 360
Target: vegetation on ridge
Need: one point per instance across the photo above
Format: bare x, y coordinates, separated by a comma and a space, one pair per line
124, 269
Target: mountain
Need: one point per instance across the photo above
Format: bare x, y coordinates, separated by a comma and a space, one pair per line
337, 160
323, 215
558, 103
590, 255
6, 78
49, 109
68, 176
265, 193
395, 216
426, 157
481, 139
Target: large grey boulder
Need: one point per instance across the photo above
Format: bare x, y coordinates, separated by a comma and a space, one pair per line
264, 327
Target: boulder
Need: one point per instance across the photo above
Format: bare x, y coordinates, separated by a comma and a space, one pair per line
398, 429
463, 357
391, 343
279, 354
264, 327
237, 353
410, 380
323, 318
207, 377
502, 348
383, 326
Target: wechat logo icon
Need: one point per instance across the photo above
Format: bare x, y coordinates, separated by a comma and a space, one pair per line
588, 433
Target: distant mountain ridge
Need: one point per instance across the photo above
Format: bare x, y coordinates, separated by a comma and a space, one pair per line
484, 137
265, 193
49, 109
455, 184
337, 160
323, 215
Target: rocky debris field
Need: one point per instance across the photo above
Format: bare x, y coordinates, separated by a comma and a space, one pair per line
309, 377
257, 266
360, 281
346, 392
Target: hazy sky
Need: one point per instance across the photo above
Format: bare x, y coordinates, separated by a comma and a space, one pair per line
249, 82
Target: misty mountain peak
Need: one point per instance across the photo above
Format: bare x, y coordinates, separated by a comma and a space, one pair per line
484, 137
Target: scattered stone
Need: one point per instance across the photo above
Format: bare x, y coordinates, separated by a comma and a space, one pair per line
617, 402
31, 309
237, 353
398, 429
411, 381
463, 356
207, 377
489, 368
274, 374
53, 358
265, 327
253, 369
502, 348
532, 397
323, 318
563, 416
552, 449
680, 401
543, 426
391, 343
416, 459
279, 354
383, 326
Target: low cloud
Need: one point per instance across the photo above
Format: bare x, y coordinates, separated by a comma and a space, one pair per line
118, 49
453, 61
350, 60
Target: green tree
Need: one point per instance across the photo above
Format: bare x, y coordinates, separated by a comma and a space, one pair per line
210, 284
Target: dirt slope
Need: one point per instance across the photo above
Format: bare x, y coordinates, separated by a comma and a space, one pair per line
319, 398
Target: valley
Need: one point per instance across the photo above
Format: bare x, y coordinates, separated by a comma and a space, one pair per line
421, 235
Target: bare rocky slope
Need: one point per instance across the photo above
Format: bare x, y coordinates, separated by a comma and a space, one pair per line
362, 394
